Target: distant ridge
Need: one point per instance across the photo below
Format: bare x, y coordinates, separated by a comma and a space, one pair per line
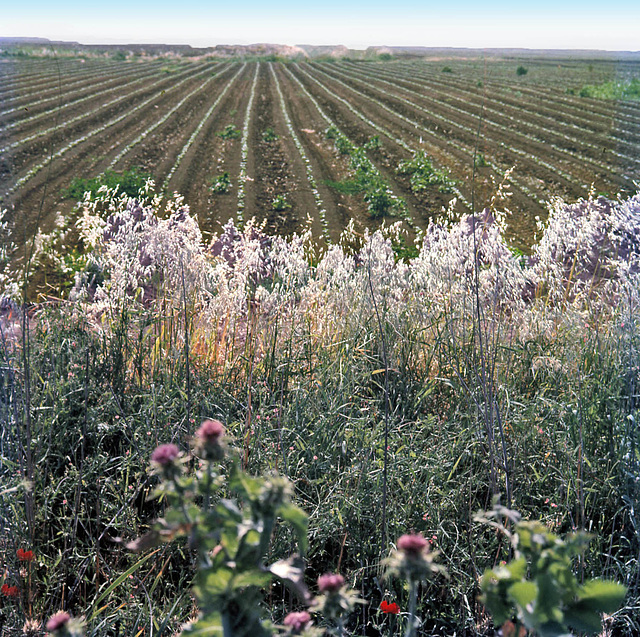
8, 45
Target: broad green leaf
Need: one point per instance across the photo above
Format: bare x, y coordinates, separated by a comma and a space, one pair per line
299, 520
583, 620
601, 596
251, 578
523, 593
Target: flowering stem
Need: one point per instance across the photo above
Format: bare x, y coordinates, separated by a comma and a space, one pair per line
340, 627
413, 598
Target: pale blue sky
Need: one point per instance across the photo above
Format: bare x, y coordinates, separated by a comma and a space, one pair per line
613, 25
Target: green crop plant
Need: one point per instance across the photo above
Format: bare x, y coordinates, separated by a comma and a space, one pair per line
280, 203
521, 70
129, 182
424, 175
221, 184
269, 135
230, 132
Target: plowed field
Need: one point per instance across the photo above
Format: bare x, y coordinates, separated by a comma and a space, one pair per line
74, 118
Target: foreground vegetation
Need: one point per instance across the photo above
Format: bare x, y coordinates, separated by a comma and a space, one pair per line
397, 396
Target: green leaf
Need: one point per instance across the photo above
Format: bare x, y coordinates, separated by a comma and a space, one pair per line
119, 581
601, 596
523, 593
584, 621
253, 577
208, 626
299, 520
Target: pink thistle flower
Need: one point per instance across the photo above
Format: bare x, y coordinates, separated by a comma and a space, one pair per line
412, 544
210, 431
297, 621
165, 454
330, 583
57, 621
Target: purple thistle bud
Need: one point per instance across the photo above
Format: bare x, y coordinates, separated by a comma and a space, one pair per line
330, 583
210, 431
412, 544
297, 621
165, 454
57, 621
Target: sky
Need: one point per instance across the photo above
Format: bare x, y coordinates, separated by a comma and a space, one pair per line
610, 25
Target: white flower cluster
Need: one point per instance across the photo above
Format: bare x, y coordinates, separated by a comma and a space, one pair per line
588, 257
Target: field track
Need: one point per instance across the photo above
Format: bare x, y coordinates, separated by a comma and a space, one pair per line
74, 118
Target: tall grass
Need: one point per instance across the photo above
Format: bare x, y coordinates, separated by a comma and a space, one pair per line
354, 373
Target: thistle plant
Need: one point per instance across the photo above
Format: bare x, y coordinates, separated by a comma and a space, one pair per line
538, 590
230, 537
414, 562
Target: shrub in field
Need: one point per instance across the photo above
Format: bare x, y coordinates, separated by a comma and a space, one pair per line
129, 182
221, 183
280, 203
423, 174
521, 70
230, 132
269, 135
447, 69
615, 90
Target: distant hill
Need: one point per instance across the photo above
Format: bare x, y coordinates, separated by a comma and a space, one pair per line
42, 47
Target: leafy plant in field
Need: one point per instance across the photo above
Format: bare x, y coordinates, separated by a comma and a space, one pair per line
373, 143
424, 175
231, 537
269, 135
221, 183
447, 69
129, 182
521, 70
280, 203
230, 132
615, 90
538, 590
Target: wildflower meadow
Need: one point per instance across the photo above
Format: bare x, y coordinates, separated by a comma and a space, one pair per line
391, 434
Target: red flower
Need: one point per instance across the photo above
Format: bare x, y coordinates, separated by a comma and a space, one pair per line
389, 609
10, 591
24, 556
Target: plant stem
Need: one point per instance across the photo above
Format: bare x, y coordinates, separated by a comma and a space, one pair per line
413, 598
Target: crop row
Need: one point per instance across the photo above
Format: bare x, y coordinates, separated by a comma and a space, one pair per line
87, 94
200, 126
537, 100
303, 155
376, 191
27, 103
498, 110
88, 114
244, 147
99, 129
470, 133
